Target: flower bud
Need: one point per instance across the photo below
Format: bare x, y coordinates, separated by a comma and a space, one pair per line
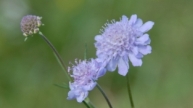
30, 24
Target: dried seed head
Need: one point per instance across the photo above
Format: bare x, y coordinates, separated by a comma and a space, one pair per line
30, 24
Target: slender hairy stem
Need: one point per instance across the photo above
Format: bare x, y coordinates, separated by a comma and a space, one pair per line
129, 92
57, 54
88, 103
105, 96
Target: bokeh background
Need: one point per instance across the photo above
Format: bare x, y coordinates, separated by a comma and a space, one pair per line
29, 70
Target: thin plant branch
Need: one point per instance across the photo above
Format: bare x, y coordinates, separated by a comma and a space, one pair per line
56, 54
104, 95
129, 92
88, 104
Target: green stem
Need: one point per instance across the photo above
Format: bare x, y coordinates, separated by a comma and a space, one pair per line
129, 92
87, 103
105, 96
57, 55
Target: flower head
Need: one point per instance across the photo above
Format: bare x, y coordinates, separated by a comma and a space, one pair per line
85, 73
123, 41
30, 24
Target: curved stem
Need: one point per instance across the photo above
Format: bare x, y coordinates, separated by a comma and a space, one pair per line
56, 54
105, 96
87, 102
129, 92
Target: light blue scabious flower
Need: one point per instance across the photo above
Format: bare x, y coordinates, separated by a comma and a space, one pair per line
85, 73
123, 41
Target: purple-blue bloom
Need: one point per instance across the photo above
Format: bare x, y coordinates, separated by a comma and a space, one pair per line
85, 73
123, 41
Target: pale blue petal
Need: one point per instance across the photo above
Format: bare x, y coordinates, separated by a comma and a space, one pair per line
89, 86
111, 66
101, 57
97, 45
71, 95
135, 50
101, 72
135, 61
123, 66
133, 19
139, 56
82, 96
124, 19
148, 41
138, 23
145, 49
71, 86
143, 40
147, 26
98, 38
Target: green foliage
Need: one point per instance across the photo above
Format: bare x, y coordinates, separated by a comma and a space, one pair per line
66, 86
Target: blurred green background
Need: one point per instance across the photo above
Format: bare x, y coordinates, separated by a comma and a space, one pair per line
29, 70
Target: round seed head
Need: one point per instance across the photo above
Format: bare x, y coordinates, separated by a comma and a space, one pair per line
30, 24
